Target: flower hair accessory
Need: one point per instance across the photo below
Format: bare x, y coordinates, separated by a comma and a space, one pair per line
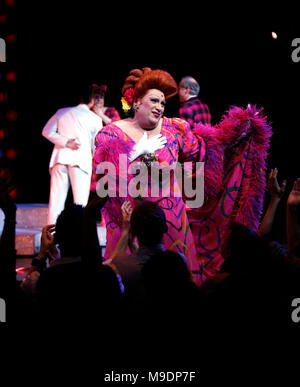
127, 99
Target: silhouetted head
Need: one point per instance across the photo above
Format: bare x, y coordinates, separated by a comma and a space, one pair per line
241, 248
148, 223
68, 230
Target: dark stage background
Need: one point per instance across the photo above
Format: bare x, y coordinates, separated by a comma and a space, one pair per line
62, 46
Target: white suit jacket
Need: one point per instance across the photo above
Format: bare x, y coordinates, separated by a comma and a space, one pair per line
73, 122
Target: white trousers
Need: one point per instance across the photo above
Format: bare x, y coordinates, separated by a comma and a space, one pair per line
61, 177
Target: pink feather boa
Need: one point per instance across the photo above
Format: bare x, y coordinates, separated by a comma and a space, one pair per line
110, 152
237, 126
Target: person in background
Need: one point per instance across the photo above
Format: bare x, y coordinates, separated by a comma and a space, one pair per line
72, 130
192, 109
107, 114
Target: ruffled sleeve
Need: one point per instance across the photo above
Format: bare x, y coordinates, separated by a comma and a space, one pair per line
190, 147
108, 148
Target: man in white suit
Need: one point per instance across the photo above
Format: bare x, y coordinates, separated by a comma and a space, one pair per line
72, 130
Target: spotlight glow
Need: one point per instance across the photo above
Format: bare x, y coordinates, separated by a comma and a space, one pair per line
274, 35
21, 269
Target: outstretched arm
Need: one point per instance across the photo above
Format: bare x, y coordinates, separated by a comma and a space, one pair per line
47, 249
123, 241
293, 229
38, 264
276, 192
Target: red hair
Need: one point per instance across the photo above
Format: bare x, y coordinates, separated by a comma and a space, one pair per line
143, 80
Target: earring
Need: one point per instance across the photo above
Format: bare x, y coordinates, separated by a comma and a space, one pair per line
135, 107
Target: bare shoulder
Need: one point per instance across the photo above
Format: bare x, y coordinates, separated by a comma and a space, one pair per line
123, 124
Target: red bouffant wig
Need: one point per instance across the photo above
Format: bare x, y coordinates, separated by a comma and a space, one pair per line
143, 80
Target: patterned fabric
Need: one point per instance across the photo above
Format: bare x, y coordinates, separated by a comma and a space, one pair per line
181, 146
194, 111
235, 163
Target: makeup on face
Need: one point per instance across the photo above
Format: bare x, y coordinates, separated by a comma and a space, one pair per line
153, 104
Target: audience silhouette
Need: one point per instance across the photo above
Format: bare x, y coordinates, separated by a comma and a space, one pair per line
255, 287
73, 287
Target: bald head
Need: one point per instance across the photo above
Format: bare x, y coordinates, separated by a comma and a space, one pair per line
191, 83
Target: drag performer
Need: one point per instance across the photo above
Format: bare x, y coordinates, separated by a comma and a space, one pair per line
229, 152
149, 134
72, 130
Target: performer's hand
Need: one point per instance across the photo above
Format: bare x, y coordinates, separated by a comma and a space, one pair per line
294, 196
73, 144
155, 143
139, 148
146, 145
276, 191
